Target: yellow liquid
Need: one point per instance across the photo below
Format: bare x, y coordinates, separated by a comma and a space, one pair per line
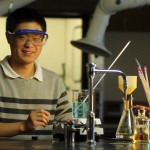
139, 138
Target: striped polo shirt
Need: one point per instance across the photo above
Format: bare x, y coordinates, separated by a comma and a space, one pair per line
19, 96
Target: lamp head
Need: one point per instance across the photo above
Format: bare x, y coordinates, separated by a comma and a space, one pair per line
92, 47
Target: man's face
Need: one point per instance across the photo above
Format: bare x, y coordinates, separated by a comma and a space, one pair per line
25, 47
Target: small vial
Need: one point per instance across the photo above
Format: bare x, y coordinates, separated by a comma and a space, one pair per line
141, 127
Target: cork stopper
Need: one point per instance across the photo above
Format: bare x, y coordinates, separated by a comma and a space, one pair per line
142, 108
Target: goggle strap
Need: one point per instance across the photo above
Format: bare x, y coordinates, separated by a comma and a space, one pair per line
25, 31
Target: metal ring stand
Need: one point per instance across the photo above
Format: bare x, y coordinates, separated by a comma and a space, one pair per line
91, 115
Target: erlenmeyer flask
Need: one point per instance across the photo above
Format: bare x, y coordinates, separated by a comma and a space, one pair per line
126, 125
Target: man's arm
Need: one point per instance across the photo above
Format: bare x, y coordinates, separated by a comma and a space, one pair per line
35, 118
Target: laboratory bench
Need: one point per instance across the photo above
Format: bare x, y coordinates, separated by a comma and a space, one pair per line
101, 144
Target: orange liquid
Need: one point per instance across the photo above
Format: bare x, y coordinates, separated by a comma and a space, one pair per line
140, 138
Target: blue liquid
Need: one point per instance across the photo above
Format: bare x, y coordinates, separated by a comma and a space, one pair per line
81, 111
148, 131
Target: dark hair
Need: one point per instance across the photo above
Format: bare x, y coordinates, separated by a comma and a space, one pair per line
24, 15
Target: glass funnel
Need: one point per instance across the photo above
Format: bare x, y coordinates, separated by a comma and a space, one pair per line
131, 84
125, 127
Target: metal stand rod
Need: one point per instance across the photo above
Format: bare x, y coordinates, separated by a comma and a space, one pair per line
91, 114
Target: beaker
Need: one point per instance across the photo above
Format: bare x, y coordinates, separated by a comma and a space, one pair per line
80, 103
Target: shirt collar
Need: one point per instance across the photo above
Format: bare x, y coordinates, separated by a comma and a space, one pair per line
12, 74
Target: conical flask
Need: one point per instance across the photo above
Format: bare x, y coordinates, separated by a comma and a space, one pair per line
126, 124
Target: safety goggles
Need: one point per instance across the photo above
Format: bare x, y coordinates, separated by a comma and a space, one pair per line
37, 37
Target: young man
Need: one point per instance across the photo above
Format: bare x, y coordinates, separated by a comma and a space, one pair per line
30, 95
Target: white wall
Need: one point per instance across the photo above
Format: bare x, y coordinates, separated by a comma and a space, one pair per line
57, 50
4, 47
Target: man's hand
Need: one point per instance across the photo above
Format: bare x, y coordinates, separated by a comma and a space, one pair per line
36, 118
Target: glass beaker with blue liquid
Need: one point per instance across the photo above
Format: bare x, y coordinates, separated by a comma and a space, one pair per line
80, 103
